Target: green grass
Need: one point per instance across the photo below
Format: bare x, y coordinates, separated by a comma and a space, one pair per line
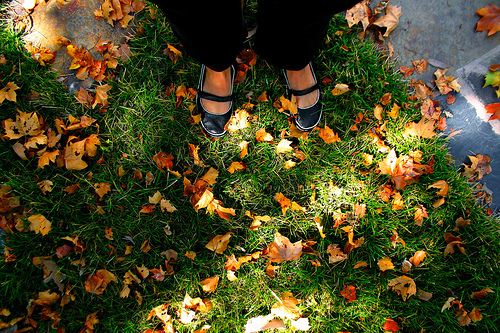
142, 120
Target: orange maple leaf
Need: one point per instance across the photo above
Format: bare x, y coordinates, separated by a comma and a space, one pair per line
163, 160
490, 19
96, 284
404, 286
210, 284
262, 135
219, 243
328, 135
493, 108
282, 249
417, 258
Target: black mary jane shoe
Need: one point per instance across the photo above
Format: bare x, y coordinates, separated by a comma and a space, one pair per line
214, 124
307, 118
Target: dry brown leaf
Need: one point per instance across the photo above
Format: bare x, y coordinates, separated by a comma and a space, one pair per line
8, 92
480, 166
102, 188
219, 243
335, 254
404, 286
165, 205
420, 214
422, 129
359, 13
45, 186
210, 284
390, 20
282, 249
420, 65
442, 186
481, 293
96, 284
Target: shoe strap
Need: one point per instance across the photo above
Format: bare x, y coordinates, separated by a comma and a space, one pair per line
215, 98
303, 91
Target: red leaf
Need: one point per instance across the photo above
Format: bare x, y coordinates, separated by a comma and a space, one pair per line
495, 109
391, 325
63, 251
349, 292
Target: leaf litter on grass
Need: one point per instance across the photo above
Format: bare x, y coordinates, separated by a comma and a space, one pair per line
279, 198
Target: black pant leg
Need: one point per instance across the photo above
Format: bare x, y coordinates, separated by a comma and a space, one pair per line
290, 32
212, 32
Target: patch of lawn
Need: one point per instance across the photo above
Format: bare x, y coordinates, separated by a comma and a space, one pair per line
331, 182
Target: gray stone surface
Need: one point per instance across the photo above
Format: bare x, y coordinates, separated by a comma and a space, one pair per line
443, 32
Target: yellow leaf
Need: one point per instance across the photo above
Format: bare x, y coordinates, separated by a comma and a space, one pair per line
283, 146
394, 113
289, 164
385, 263
155, 198
210, 176
47, 157
262, 135
360, 264
39, 224
340, 88
190, 254
236, 166
8, 92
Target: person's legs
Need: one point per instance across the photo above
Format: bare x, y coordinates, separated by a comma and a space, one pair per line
290, 32
289, 35
212, 32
